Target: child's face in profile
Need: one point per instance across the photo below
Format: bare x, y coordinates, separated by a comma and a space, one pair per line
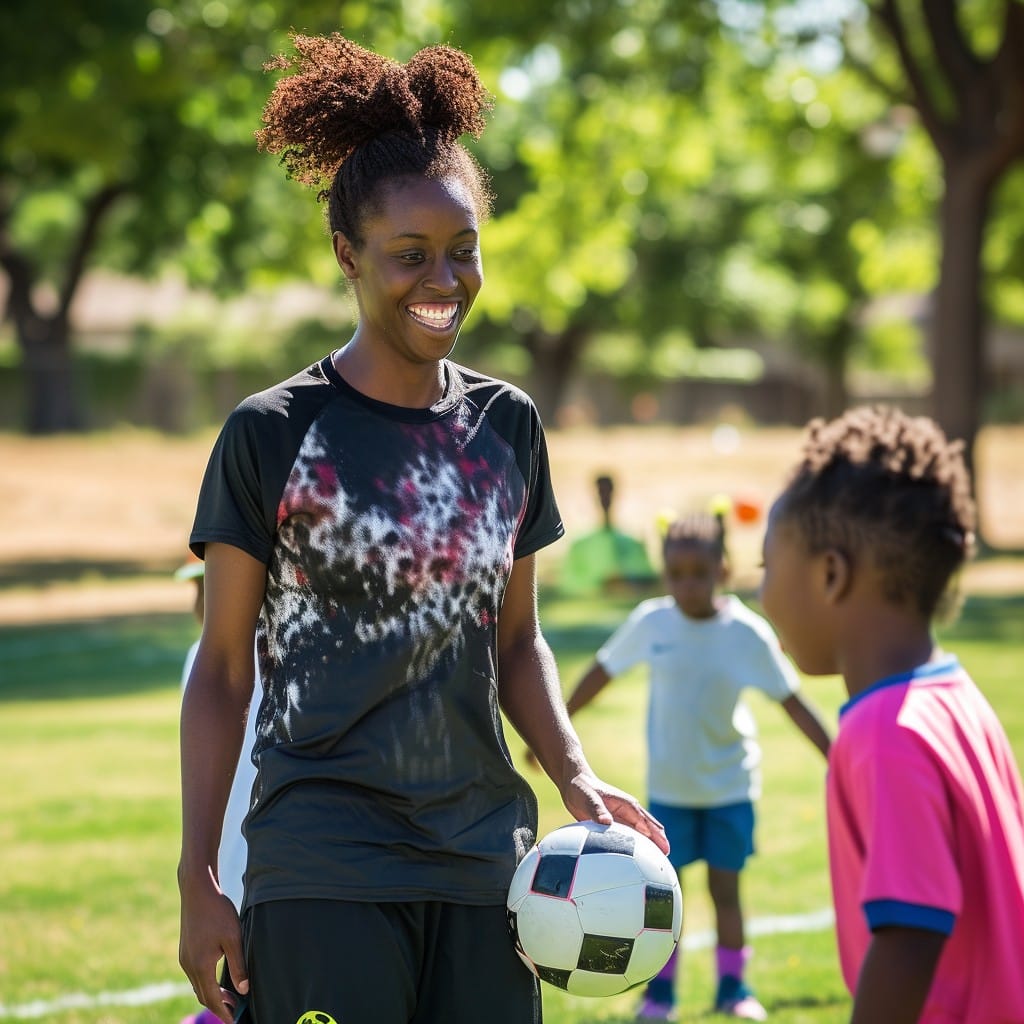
791, 597
693, 571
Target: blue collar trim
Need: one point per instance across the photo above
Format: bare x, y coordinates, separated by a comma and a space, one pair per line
944, 666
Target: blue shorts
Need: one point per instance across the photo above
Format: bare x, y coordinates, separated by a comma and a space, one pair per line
722, 836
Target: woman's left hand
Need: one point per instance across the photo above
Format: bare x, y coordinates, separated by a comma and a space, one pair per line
587, 798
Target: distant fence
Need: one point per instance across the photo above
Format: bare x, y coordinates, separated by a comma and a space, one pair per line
171, 396
167, 396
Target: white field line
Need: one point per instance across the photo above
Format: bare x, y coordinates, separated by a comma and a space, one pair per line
156, 993
816, 921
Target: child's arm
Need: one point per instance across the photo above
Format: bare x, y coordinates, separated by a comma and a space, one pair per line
896, 975
593, 682
808, 721
531, 697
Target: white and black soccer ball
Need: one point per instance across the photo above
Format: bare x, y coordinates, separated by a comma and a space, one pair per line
595, 909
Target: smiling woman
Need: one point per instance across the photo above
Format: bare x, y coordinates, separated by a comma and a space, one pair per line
405, 198
415, 277
372, 523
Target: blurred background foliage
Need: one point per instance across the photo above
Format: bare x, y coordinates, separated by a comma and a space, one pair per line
726, 190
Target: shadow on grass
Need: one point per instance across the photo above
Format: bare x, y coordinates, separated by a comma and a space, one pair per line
988, 618
775, 1006
103, 657
809, 1003
832, 1001
987, 551
580, 625
48, 572
124, 654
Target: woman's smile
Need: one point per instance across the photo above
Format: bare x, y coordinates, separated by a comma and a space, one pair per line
435, 316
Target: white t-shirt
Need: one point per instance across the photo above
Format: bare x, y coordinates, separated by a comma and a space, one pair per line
701, 738
231, 856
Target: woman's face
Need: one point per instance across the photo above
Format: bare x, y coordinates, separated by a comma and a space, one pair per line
418, 270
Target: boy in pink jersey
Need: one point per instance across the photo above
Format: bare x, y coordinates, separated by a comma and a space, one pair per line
925, 802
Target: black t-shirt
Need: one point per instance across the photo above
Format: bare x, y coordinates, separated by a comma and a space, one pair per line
388, 534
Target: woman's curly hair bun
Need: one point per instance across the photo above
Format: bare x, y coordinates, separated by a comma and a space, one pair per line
339, 96
451, 96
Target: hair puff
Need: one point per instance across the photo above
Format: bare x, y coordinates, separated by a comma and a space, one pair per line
452, 98
340, 96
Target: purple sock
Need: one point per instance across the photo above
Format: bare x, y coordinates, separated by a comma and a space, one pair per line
732, 961
668, 972
661, 988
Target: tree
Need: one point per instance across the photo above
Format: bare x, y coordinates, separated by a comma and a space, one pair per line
90, 115
793, 184
126, 139
961, 67
145, 156
651, 184
45, 134
597, 134
691, 179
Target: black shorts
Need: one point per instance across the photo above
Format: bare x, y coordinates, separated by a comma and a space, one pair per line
338, 962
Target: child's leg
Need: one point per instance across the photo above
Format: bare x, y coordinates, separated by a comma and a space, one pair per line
729, 835
661, 988
724, 887
659, 999
732, 995
731, 841
682, 827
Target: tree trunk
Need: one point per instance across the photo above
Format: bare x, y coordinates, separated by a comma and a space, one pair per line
51, 399
45, 339
555, 359
836, 359
956, 331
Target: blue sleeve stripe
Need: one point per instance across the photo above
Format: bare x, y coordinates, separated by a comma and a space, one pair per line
883, 913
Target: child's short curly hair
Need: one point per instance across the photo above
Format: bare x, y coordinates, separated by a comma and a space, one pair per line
351, 120
879, 484
700, 529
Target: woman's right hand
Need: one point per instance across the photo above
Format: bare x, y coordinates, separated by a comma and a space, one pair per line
213, 714
210, 930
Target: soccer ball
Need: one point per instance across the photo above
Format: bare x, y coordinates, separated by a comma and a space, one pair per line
595, 909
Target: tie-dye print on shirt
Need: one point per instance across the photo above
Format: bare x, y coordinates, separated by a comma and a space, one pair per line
384, 772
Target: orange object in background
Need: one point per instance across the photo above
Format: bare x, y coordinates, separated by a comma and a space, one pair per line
746, 509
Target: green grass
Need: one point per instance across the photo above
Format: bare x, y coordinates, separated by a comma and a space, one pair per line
89, 812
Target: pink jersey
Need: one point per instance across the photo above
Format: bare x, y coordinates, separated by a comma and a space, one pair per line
926, 830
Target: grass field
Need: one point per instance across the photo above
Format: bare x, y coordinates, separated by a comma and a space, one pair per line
89, 814
91, 644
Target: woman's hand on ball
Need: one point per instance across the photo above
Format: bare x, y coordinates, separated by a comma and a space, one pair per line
587, 798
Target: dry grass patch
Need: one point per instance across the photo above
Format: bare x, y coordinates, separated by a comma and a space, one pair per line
95, 524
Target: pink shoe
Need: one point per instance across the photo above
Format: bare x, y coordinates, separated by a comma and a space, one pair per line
202, 1017
651, 1009
734, 999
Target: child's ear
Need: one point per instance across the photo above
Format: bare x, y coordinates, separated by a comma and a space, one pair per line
837, 574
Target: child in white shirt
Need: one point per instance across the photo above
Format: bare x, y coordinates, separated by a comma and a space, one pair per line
703, 649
